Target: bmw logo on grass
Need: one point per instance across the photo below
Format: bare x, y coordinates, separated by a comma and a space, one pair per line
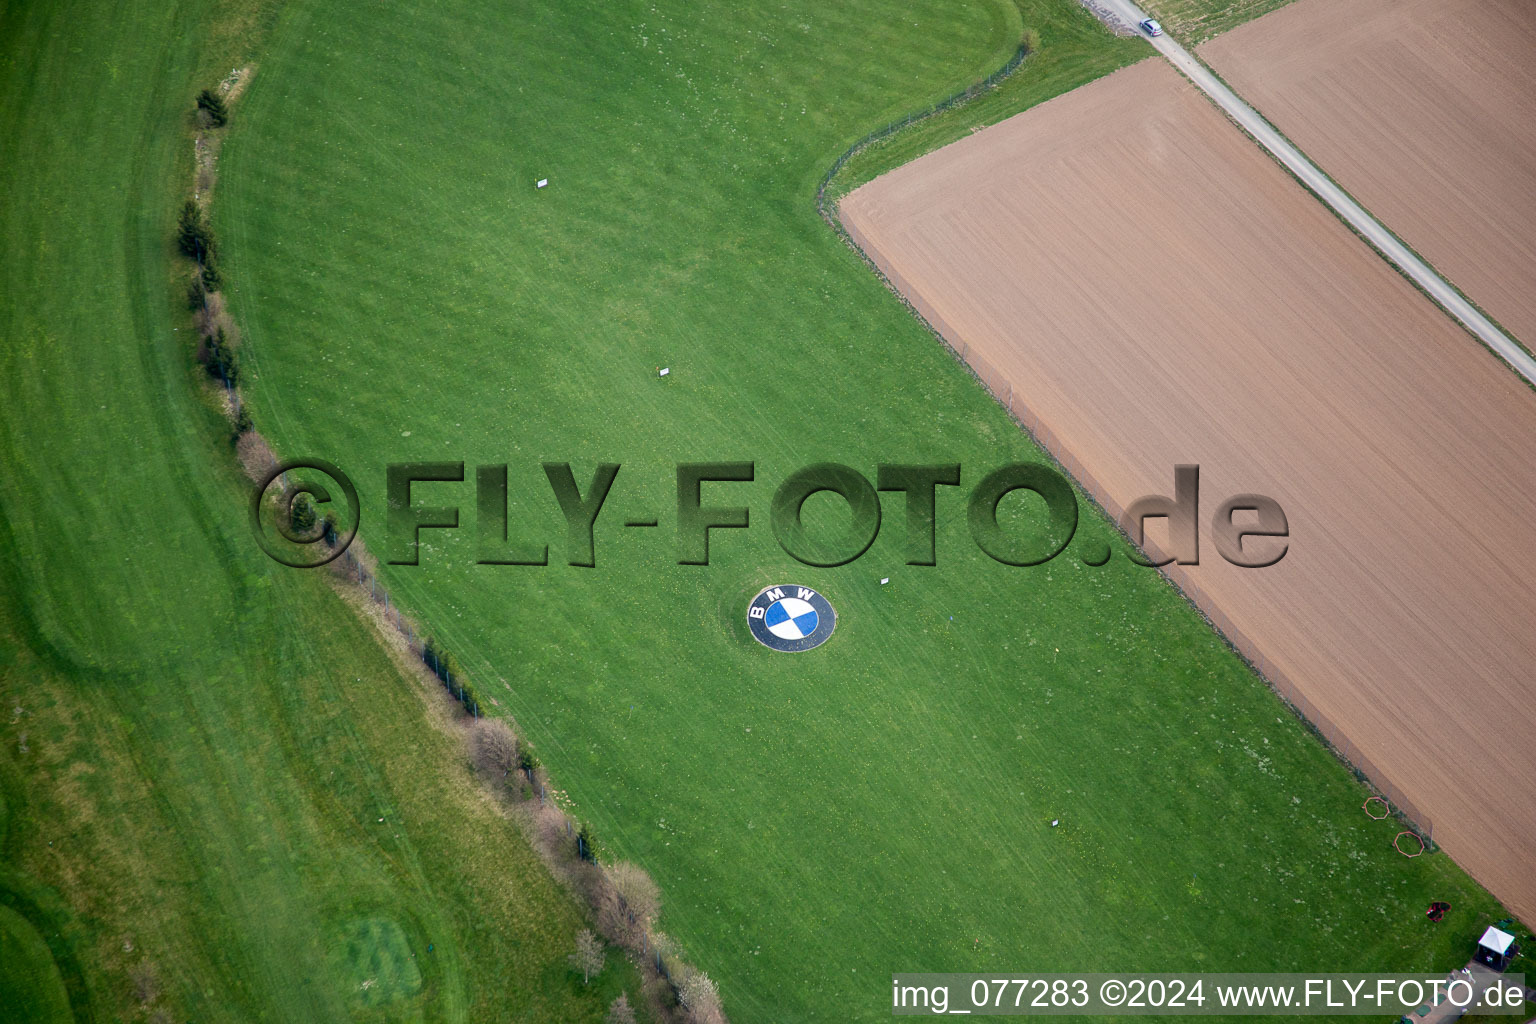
790, 618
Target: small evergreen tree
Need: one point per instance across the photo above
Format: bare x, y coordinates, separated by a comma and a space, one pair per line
221, 359
302, 517
527, 761
242, 424
192, 234
210, 268
212, 109
437, 659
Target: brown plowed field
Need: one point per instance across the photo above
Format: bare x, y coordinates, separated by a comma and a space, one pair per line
1144, 285
1425, 110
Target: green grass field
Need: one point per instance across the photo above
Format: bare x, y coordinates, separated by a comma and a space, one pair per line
31, 988
821, 820
196, 745
1074, 49
1195, 21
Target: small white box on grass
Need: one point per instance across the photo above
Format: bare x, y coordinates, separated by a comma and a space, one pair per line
664, 371
541, 183
884, 580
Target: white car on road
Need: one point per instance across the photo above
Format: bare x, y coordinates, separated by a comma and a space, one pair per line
1151, 27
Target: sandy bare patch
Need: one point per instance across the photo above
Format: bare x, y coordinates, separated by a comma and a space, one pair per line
235, 82
1143, 281
1423, 110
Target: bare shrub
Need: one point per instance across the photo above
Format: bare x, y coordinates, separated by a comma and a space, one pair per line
549, 824
493, 747
210, 310
620, 1012
589, 956
256, 456
701, 999
628, 903
637, 889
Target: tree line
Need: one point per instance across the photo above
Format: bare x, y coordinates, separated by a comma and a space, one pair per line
195, 241
624, 899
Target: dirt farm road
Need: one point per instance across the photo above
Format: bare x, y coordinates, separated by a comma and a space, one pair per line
1353, 214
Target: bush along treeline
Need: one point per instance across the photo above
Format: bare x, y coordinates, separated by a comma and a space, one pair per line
194, 238
625, 902
445, 668
211, 112
195, 242
304, 519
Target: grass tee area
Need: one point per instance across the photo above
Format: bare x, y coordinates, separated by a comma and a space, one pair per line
219, 800
816, 821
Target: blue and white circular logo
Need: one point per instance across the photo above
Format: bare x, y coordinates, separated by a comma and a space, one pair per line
790, 618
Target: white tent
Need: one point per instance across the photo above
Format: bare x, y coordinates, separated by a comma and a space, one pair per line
1496, 941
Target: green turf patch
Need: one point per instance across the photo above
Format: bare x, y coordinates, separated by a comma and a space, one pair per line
378, 962
31, 988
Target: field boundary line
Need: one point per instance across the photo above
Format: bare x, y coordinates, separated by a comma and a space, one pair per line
956, 99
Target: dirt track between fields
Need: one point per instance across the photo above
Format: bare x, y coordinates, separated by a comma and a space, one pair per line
1422, 109
1149, 288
